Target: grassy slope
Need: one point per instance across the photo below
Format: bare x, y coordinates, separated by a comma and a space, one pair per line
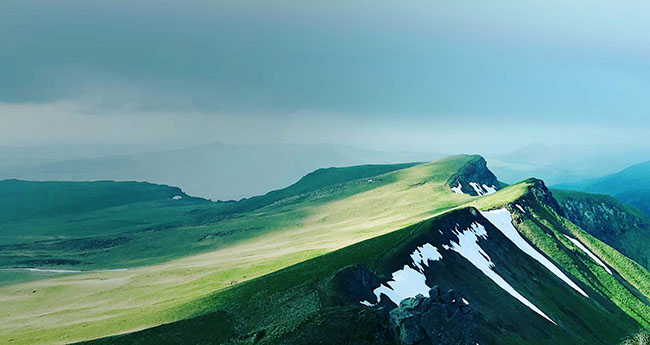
24, 200
623, 227
283, 233
292, 305
143, 228
332, 220
629, 287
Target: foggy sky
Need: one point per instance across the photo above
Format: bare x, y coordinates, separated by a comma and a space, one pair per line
443, 76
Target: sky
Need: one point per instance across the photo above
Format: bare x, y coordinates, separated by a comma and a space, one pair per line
443, 76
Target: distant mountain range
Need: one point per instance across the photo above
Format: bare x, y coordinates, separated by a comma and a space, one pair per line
563, 163
630, 186
216, 171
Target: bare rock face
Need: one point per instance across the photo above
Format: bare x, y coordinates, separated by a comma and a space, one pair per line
439, 319
356, 283
474, 178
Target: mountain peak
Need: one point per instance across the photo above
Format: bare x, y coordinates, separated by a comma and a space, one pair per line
474, 178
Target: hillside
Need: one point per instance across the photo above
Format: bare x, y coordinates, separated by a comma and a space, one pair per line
127, 224
285, 268
623, 227
461, 274
225, 248
24, 200
630, 186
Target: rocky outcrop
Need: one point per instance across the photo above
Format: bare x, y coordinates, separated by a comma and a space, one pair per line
474, 178
441, 318
438, 319
538, 194
602, 219
356, 283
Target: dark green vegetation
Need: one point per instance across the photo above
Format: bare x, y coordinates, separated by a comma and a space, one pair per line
640, 338
101, 225
308, 303
630, 186
623, 227
25, 200
292, 266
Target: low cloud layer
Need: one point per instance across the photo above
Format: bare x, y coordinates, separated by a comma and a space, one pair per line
444, 76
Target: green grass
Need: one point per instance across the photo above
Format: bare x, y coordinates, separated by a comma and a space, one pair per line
220, 253
248, 260
623, 227
290, 306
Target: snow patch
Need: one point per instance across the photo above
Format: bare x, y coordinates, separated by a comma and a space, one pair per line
177, 197
502, 220
477, 188
409, 282
468, 247
458, 189
489, 189
484, 189
588, 252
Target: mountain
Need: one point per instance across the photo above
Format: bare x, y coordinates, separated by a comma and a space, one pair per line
466, 276
621, 226
437, 252
563, 163
216, 171
98, 225
630, 186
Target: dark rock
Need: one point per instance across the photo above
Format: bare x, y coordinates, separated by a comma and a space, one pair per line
452, 309
356, 284
433, 319
475, 170
425, 320
434, 293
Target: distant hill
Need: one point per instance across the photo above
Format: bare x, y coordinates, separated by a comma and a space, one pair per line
216, 171
21, 200
630, 186
563, 163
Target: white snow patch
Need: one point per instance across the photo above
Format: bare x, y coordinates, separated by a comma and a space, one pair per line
502, 220
468, 247
477, 188
409, 282
484, 189
458, 189
489, 189
422, 255
366, 303
520, 208
177, 197
588, 252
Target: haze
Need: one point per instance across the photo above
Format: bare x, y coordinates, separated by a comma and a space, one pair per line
432, 77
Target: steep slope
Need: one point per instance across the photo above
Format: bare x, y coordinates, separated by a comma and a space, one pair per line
230, 246
623, 227
517, 276
630, 186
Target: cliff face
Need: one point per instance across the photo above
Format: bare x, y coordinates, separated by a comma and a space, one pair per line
616, 224
474, 178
